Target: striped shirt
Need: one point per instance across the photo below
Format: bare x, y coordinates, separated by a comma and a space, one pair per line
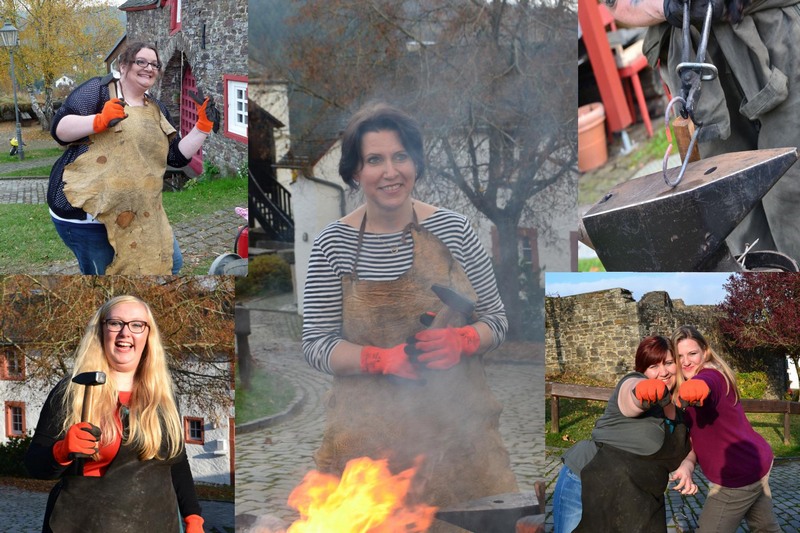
332, 257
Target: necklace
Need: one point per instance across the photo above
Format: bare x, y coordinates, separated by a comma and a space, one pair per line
393, 249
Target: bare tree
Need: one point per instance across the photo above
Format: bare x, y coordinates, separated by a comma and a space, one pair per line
491, 81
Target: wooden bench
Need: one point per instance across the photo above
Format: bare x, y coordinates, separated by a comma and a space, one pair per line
582, 392
26, 119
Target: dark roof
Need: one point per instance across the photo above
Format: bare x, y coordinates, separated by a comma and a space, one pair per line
116, 45
138, 4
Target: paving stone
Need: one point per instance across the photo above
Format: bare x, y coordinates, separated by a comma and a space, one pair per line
275, 343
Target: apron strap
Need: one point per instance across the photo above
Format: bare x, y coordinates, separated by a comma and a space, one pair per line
414, 224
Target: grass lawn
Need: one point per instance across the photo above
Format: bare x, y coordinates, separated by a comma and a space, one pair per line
268, 394
204, 198
35, 153
590, 265
28, 239
577, 417
35, 172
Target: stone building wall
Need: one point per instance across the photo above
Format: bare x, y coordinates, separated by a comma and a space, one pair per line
213, 42
592, 334
596, 334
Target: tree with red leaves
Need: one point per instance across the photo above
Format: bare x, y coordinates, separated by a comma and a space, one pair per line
763, 311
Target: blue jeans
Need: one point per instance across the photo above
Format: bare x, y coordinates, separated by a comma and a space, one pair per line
567, 507
89, 243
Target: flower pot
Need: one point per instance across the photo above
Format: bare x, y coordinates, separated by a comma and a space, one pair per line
592, 147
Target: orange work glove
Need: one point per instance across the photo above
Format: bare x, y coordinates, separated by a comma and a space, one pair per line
203, 124
113, 111
693, 392
443, 347
650, 391
393, 360
81, 441
194, 523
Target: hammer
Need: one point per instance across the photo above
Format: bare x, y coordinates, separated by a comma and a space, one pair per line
89, 380
457, 308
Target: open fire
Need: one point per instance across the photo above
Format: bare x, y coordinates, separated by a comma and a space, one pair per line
367, 499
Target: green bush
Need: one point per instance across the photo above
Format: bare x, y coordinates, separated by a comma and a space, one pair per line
752, 384
266, 274
12, 454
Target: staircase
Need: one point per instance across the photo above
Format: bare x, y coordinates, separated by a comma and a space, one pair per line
271, 205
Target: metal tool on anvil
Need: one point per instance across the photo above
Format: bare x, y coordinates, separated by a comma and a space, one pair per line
493, 514
644, 225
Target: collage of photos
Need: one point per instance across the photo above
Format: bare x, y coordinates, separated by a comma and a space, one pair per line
363, 266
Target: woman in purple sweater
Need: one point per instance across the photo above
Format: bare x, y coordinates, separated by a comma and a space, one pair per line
735, 459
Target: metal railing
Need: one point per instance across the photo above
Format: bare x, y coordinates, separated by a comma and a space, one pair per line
271, 205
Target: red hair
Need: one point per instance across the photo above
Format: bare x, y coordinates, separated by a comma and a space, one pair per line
651, 351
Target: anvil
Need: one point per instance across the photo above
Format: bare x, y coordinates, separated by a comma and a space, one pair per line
493, 514
644, 225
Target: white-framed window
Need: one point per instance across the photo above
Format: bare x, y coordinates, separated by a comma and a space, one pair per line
236, 107
15, 419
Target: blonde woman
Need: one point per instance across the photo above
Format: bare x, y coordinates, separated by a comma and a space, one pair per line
735, 459
127, 470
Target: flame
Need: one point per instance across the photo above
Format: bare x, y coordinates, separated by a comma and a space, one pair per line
367, 499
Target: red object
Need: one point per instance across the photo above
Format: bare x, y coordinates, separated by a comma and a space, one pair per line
650, 390
632, 71
194, 523
241, 248
444, 347
203, 123
392, 360
81, 440
693, 392
618, 114
114, 109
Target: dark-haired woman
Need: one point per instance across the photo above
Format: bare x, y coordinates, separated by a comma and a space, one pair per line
404, 390
616, 480
104, 192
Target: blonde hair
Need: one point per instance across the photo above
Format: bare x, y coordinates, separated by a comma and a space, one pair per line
710, 359
153, 416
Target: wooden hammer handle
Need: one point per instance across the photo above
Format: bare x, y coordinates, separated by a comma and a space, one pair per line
86, 409
683, 128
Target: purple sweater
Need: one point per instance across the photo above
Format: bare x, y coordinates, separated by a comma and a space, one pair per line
728, 449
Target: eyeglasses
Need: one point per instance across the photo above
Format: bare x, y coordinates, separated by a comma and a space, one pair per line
134, 326
143, 63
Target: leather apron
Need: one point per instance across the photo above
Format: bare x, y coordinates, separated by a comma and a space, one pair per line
622, 491
119, 181
132, 496
449, 418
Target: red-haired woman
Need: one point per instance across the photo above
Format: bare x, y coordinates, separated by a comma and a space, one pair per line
616, 480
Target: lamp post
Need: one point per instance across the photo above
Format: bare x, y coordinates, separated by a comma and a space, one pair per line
10, 39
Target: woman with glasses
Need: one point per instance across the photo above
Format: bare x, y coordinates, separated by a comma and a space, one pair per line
104, 192
126, 469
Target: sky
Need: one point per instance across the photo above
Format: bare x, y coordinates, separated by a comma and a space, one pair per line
694, 288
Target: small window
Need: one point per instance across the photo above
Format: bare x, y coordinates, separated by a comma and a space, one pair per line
175, 16
15, 419
12, 364
236, 107
195, 432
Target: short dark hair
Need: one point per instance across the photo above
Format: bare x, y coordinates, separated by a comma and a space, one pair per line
651, 351
374, 117
128, 56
